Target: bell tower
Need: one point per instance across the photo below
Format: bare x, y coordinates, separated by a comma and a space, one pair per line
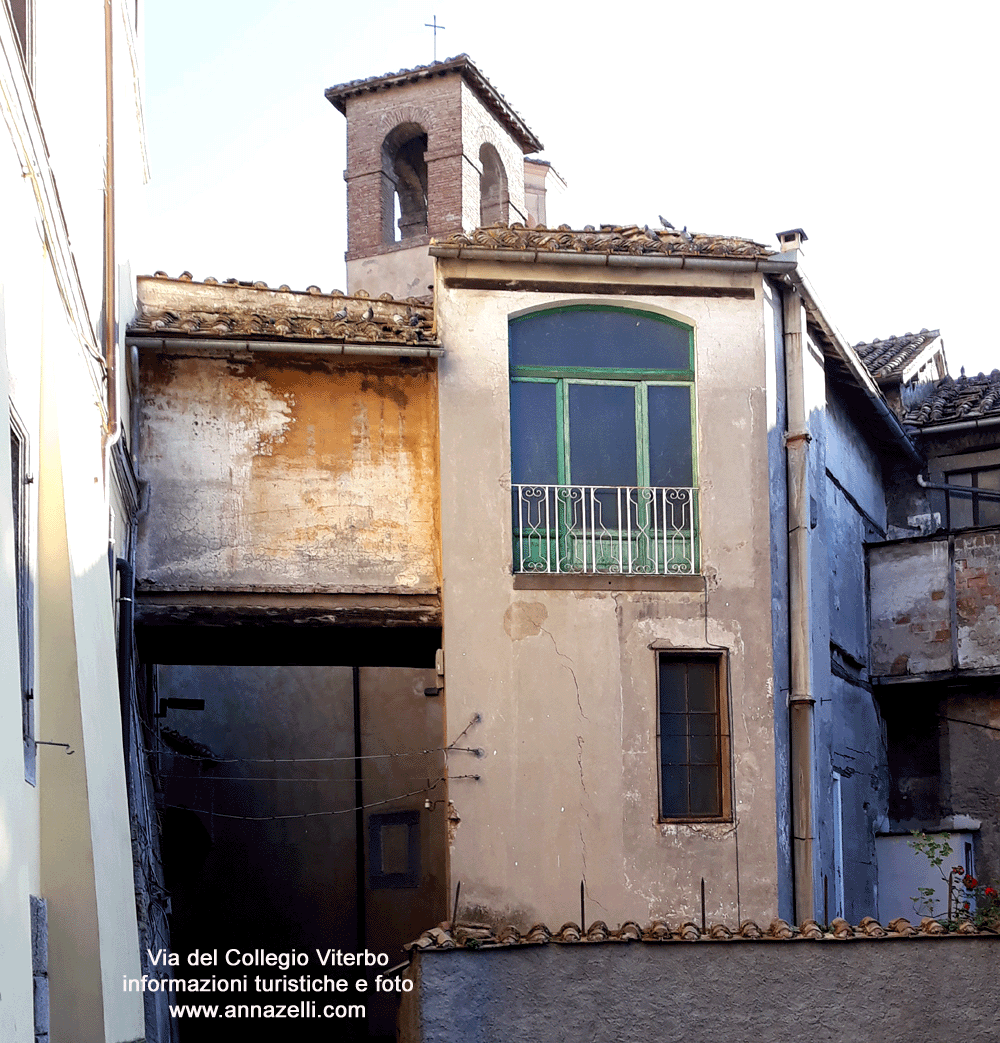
430, 151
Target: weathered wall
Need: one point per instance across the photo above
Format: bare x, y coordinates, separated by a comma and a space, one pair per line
777, 421
566, 678
479, 127
404, 271
274, 473
851, 767
935, 604
921, 990
977, 599
970, 737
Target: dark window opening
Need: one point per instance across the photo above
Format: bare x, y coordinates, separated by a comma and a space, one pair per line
404, 184
693, 737
978, 502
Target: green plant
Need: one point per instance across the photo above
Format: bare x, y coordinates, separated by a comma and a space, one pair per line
968, 899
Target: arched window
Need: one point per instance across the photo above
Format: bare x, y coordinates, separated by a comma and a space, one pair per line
603, 467
404, 183
493, 196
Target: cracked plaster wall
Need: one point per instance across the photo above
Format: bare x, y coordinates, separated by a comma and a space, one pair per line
566, 680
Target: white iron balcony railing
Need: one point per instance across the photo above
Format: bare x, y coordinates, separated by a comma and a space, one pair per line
623, 530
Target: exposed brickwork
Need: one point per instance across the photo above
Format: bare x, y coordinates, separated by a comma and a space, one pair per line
457, 124
911, 605
977, 599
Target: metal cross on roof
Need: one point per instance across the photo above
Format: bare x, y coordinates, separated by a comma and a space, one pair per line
434, 25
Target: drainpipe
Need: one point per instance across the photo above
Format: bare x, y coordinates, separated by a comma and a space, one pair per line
800, 698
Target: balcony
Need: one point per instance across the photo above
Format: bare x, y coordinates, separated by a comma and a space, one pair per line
617, 530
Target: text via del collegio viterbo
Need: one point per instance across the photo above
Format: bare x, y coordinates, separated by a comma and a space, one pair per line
262, 958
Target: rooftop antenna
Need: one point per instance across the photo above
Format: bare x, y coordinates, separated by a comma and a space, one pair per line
434, 25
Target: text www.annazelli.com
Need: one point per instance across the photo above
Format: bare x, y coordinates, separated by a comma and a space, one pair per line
306, 1009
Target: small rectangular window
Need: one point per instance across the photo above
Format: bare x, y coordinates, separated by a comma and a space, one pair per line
976, 499
20, 501
693, 737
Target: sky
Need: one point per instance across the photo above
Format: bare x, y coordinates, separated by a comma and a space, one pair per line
873, 126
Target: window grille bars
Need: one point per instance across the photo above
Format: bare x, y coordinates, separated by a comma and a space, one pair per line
618, 530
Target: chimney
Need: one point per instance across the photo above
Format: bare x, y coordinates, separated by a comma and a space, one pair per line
792, 239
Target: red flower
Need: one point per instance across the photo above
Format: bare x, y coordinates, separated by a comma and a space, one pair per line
970, 881
989, 892
957, 870
965, 906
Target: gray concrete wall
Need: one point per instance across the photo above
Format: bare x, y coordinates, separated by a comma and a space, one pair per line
914, 990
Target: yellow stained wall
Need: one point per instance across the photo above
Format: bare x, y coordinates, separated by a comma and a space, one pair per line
273, 473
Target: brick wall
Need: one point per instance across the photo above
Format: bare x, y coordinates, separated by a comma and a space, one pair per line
977, 599
457, 124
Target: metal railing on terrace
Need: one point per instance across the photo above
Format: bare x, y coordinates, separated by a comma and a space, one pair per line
619, 530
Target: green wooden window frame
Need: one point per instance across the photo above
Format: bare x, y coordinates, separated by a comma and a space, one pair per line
668, 339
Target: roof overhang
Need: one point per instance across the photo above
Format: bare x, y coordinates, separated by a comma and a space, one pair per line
462, 65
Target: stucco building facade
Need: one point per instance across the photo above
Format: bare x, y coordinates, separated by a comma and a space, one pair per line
69, 916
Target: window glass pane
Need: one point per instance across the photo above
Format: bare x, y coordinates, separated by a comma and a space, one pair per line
989, 478
602, 434
671, 687
674, 792
704, 749
705, 795
989, 510
673, 739
702, 686
607, 338
669, 436
959, 507
533, 433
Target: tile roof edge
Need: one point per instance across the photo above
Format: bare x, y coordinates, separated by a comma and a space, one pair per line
475, 937
338, 94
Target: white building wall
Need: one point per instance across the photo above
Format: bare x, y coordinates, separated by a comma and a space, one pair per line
66, 837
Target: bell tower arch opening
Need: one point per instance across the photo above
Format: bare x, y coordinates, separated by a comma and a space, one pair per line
404, 183
494, 195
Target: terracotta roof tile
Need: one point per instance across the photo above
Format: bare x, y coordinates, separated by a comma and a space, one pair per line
889, 357
461, 63
954, 401
608, 239
479, 936
233, 310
